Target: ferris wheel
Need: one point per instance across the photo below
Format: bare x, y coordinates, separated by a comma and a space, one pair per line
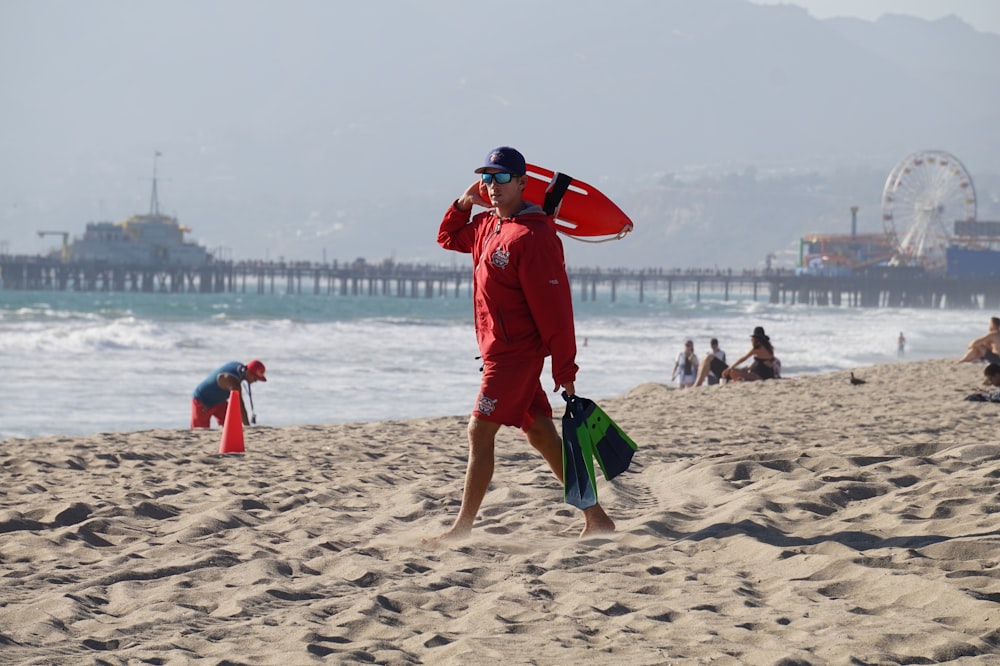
924, 195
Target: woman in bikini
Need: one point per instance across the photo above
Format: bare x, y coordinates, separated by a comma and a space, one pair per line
763, 366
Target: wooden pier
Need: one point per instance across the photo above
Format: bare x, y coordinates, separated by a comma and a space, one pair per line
883, 287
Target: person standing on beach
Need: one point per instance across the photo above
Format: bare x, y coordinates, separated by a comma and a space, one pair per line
211, 396
986, 348
523, 312
901, 344
687, 365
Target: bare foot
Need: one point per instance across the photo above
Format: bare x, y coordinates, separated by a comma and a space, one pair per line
596, 521
454, 534
606, 527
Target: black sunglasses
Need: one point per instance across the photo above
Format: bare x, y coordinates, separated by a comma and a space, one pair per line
500, 178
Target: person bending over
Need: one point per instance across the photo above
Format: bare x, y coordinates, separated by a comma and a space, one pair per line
211, 396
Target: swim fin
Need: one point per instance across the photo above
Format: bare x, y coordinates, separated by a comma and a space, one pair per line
588, 433
612, 447
579, 482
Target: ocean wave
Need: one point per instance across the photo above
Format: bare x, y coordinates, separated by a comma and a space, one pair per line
136, 359
85, 336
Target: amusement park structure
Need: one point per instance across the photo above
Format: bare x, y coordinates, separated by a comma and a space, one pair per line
929, 224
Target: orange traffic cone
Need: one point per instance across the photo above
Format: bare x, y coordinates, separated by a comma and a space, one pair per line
232, 429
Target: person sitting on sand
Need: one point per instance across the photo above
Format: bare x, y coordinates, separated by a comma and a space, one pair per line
211, 397
713, 365
992, 379
764, 364
986, 348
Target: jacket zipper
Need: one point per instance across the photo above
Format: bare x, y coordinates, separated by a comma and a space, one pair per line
496, 232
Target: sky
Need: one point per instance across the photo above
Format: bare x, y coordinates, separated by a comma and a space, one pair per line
325, 129
983, 15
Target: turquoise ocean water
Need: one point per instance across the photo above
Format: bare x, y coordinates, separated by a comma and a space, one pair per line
79, 363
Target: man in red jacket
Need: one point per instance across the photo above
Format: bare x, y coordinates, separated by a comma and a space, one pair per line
523, 312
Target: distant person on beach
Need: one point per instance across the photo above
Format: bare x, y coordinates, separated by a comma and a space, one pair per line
687, 365
211, 397
764, 365
901, 344
991, 374
523, 311
986, 348
713, 365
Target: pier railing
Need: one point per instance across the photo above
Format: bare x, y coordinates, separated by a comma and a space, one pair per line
882, 287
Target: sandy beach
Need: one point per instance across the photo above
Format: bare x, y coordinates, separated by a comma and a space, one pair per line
792, 522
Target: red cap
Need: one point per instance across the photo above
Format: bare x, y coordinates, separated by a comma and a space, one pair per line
257, 368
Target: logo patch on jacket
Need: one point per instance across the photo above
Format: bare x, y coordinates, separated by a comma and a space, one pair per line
500, 258
486, 405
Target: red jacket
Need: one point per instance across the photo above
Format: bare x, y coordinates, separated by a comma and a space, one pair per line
521, 294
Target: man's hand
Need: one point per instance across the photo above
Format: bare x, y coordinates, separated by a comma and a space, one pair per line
471, 197
569, 387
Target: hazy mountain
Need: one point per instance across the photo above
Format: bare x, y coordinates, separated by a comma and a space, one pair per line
314, 129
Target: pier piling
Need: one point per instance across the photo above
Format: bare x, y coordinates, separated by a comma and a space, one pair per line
875, 288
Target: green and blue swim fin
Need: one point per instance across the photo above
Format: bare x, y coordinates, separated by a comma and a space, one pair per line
579, 482
589, 433
612, 447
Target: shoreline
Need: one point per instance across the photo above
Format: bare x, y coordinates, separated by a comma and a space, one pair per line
800, 519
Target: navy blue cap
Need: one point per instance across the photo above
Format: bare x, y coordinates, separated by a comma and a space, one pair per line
506, 160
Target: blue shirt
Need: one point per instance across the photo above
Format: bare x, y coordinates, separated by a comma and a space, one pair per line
209, 393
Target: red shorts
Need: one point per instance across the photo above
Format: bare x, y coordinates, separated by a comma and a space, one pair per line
512, 394
201, 416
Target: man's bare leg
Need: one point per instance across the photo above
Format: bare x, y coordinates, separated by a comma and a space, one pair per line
545, 438
478, 474
703, 369
975, 353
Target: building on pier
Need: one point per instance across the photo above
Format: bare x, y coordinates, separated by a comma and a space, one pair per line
151, 240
